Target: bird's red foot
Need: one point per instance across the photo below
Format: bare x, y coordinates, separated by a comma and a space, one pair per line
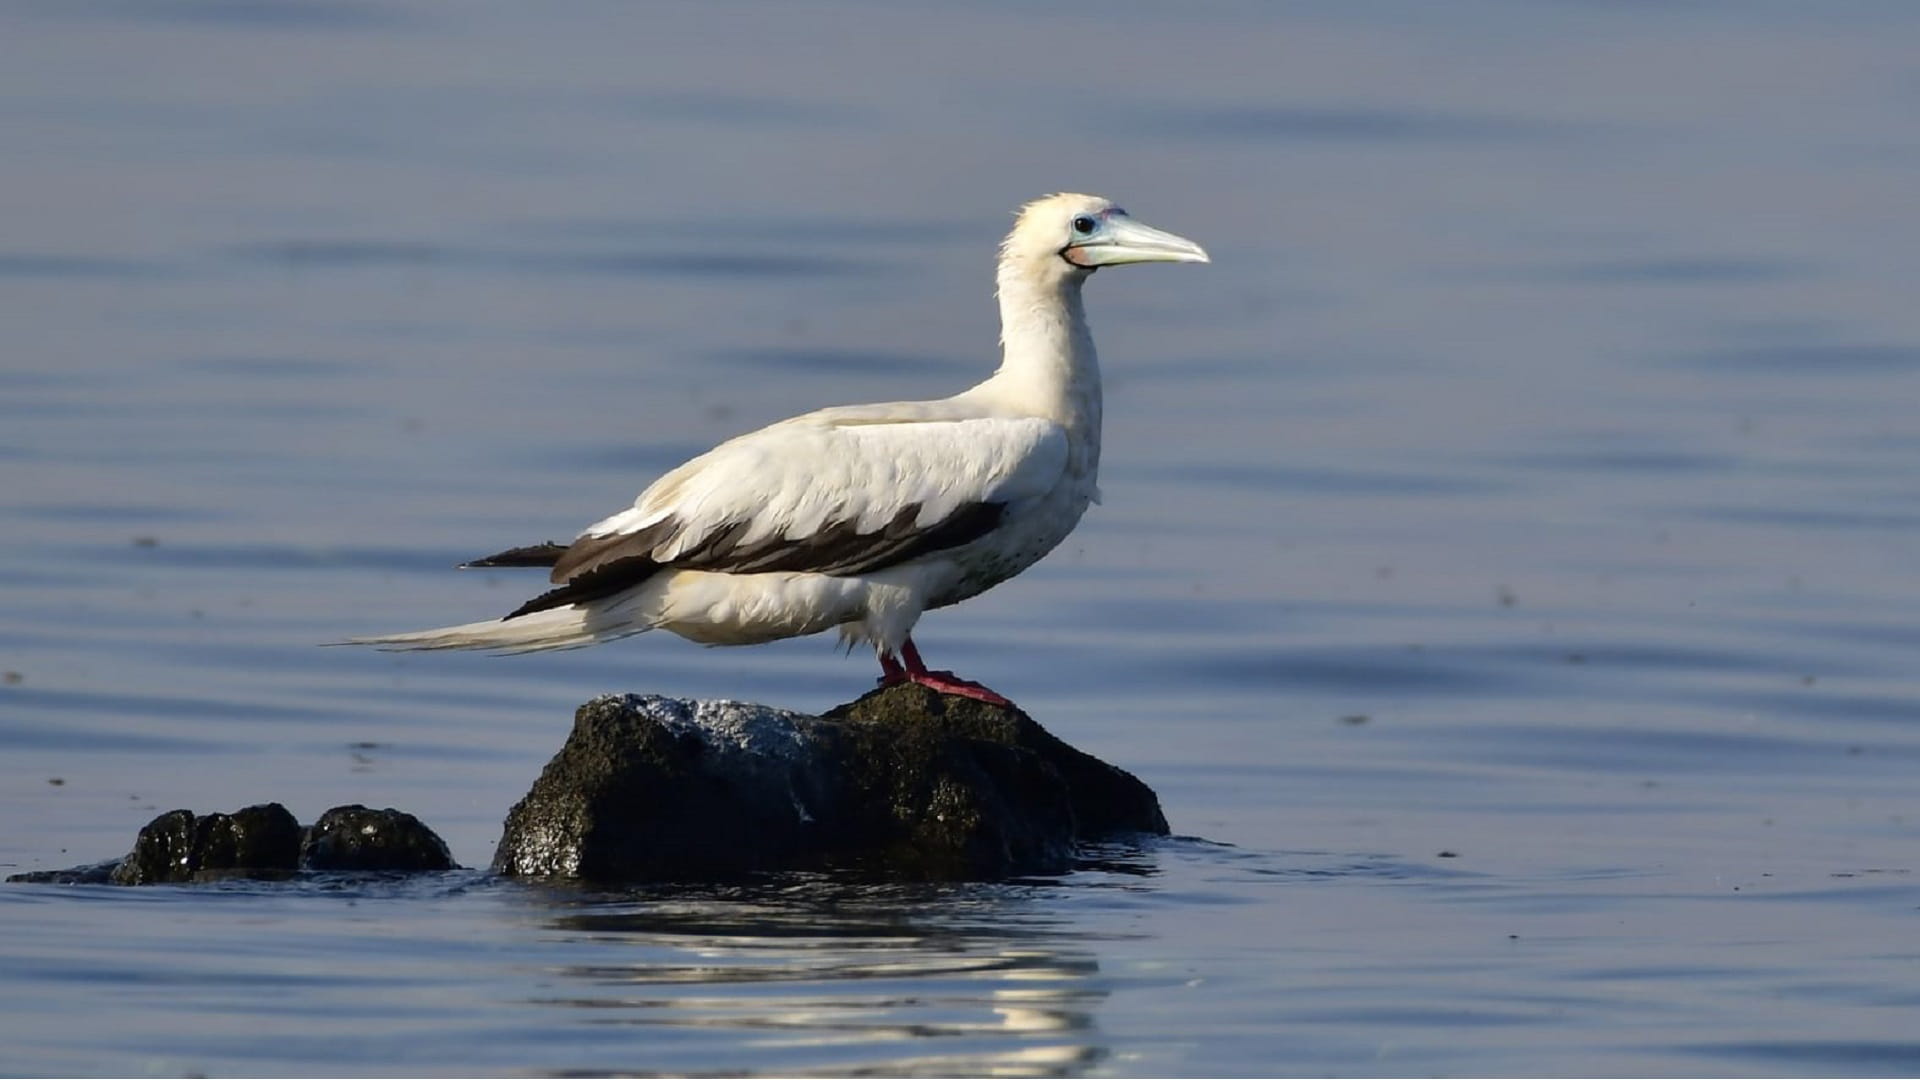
946, 682
910, 668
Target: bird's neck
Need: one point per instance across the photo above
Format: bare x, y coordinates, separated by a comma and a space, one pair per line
1047, 366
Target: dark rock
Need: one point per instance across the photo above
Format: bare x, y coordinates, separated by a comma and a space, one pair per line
356, 838
1106, 800
903, 782
651, 787
180, 846
100, 873
263, 842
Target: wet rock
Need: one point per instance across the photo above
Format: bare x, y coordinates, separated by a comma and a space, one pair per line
903, 782
1106, 799
263, 842
182, 846
356, 838
100, 873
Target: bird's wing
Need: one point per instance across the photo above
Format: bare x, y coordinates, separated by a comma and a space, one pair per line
844, 491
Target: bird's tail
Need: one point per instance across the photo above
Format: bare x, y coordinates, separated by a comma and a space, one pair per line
539, 631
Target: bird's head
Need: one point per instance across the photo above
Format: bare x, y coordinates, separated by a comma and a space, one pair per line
1074, 235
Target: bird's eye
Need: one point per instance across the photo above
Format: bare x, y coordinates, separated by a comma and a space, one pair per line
1083, 225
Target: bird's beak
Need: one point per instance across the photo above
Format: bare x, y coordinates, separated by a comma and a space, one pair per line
1124, 240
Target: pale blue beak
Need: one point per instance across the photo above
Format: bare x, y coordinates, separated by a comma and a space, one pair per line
1119, 240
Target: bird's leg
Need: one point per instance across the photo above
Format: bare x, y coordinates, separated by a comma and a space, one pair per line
910, 668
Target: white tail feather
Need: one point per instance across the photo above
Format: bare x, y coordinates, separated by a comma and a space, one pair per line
556, 628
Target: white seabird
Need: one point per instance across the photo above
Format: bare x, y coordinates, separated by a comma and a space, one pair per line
860, 517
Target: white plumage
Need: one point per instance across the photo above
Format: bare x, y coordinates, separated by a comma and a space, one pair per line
860, 517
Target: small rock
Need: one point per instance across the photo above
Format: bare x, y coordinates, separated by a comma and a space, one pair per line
263, 842
100, 873
356, 838
180, 846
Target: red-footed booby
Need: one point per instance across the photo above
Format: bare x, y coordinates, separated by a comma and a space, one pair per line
860, 517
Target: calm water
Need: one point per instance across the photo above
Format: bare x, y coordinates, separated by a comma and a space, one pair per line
1508, 563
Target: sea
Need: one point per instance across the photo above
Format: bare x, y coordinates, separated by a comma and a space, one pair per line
1508, 570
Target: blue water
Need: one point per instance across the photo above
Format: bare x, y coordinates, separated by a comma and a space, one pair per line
1507, 571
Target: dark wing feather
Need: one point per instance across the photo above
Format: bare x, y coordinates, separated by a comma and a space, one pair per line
592, 552
968, 523
620, 562
838, 549
532, 555
604, 580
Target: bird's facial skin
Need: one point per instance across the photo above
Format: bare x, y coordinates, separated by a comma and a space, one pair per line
1108, 237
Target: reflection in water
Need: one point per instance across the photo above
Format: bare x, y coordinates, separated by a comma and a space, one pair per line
841, 978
